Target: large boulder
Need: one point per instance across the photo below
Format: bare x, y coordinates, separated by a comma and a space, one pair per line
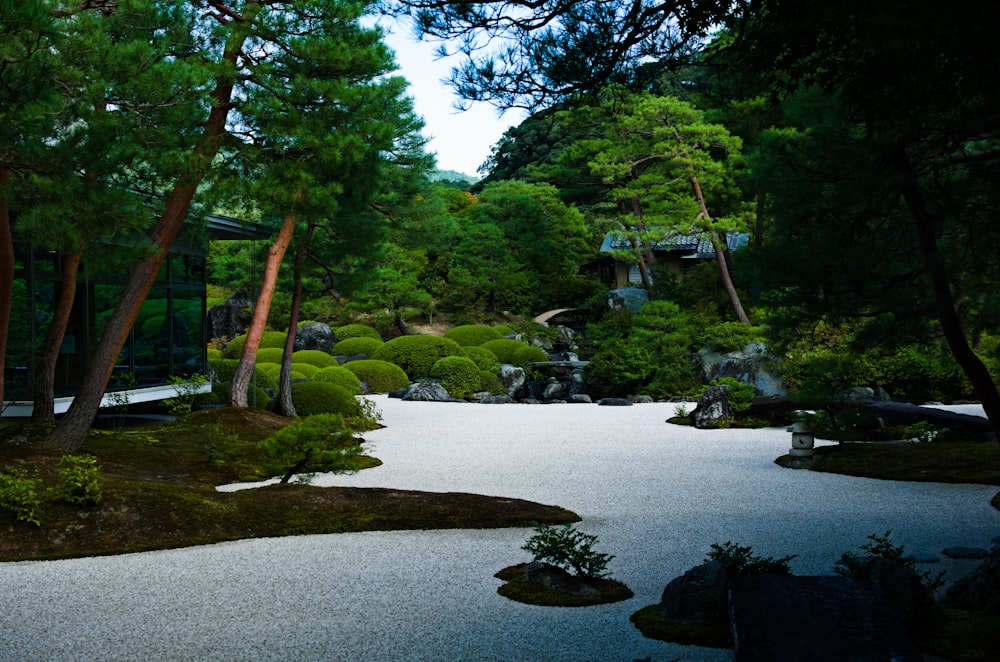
980, 589
428, 391
513, 379
750, 365
315, 335
628, 298
712, 408
227, 320
697, 595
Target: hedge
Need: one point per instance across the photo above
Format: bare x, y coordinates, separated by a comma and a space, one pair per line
416, 355
504, 348
269, 339
340, 376
380, 376
458, 374
323, 398
468, 335
315, 357
270, 355
482, 357
529, 354
355, 331
354, 346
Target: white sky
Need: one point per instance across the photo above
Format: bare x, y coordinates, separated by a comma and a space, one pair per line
461, 140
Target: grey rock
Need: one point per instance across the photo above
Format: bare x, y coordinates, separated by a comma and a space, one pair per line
579, 398
614, 402
712, 408
699, 594
227, 321
902, 589
980, 589
640, 399
489, 399
553, 390
513, 379
341, 359
628, 298
751, 365
556, 578
315, 335
428, 392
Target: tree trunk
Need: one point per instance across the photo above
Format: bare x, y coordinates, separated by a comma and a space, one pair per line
6, 272
646, 257
721, 252
927, 230
285, 404
45, 375
244, 371
74, 425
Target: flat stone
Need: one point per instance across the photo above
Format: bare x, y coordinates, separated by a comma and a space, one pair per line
965, 553
814, 619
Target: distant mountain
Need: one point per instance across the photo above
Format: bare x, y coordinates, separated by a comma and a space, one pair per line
453, 176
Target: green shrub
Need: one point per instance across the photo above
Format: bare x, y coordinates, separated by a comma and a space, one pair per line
307, 370
740, 394
312, 398
209, 398
741, 561
729, 336
505, 330
468, 335
619, 368
314, 357
152, 326
186, 390
19, 494
569, 549
224, 368
458, 374
355, 331
416, 355
482, 357
212, 353
354, 346
490, 382
266, 375
340, 376
380, 376
320, 442
257, 397
269, 339
269, 355
882, 547
529, 354
504, 348
81, 478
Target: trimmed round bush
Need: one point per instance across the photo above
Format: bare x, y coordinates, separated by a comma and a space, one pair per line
224, 368
323, 398
340, 376
529, 354
381, 376
268, 375
268, 339
489, 381
505, 330
213, 353
468, 335
416, 355
354, 346
458, 374
270, 355
355, 331
482, 357
307, 370
257, 398
504, 348
315, 357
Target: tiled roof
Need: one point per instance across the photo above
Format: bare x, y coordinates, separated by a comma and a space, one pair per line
697, 245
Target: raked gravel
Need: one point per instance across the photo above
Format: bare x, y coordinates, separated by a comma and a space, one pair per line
656, 495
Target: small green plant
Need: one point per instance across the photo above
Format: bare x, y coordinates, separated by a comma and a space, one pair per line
569, 549
882, 547
741, 561
19, 494
321, 442
81, 480
922, 432
187, 390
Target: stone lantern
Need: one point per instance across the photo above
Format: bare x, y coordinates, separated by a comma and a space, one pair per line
802, 447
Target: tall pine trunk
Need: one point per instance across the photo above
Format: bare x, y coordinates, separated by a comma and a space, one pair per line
6, 271
74, 425
244, 371
927, 225
45, 375
285, 404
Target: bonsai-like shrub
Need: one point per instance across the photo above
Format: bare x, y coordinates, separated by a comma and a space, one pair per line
314, 357
355, 331
270, 355
380, 376
416, 355
458, 374
729, 336
312, 398
340, 376
307, 370
320, 442
504, 348
468, 335
529, 354
357, 345
569, 549
490, 382
482, 357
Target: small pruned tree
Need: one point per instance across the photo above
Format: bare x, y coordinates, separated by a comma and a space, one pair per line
317, 443
569, 549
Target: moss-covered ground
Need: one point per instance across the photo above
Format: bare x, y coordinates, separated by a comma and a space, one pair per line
158, 485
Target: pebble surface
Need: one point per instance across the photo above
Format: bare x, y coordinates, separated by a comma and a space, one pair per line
656, 495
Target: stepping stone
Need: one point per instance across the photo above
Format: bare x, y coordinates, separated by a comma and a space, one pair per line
814, 619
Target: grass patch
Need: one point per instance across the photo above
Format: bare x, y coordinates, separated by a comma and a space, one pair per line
711, 634
533, 593
939, 462
159, 493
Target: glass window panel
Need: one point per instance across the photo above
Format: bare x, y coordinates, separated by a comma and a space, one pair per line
188, 330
